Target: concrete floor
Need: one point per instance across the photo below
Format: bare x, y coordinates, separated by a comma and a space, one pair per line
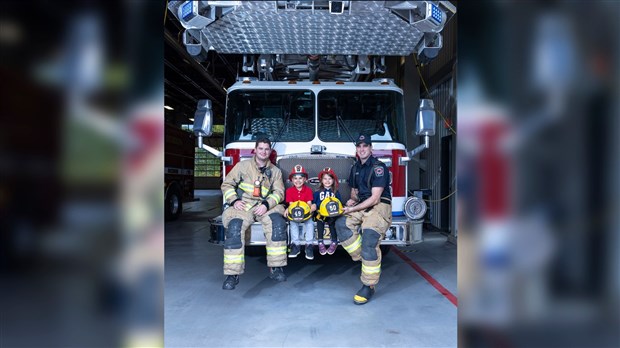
314, 307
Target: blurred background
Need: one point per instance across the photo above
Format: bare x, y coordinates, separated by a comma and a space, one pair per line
538, 168
81, 189
81, 158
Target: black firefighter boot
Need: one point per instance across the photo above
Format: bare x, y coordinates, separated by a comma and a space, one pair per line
364, 294
230, 282
277, 274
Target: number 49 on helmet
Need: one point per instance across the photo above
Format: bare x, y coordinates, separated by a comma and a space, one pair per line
299, 211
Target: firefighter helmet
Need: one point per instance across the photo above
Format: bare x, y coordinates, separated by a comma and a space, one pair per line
298, 169
330, 207
328, 170
299, 211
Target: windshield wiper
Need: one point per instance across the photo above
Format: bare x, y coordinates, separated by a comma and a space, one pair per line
344, 126
287, 118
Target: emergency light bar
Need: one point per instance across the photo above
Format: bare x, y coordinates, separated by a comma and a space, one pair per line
432, 20
195, 14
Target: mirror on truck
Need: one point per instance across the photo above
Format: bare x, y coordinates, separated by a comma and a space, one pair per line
425, 123
203, 118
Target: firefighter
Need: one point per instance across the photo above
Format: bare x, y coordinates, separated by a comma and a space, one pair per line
254, 190
370, 210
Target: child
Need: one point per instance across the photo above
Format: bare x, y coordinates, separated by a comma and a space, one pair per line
300, 192
328, 188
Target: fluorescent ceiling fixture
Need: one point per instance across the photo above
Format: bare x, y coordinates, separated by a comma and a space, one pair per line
168, 107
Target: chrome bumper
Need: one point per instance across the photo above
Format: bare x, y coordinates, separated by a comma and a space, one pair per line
402, 232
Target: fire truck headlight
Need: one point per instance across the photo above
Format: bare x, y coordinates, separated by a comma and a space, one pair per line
415, 208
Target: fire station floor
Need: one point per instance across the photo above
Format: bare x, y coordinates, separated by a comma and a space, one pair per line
314, 307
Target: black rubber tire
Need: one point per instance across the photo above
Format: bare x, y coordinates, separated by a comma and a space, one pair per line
174, 204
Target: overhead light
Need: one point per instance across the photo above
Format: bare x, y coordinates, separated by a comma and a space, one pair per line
191, 119
168, 107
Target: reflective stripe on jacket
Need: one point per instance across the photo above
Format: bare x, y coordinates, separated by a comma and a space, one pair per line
241, 180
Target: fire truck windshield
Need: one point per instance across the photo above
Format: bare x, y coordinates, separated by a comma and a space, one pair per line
286, 115
291, 115
378, 113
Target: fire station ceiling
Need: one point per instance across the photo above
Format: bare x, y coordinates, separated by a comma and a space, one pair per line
187, 80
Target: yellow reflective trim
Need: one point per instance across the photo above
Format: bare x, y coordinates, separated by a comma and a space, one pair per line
276, 251
249, 206
228, 194
355, 245
246, 187
371, 269
275, 197
234, 258
264, 190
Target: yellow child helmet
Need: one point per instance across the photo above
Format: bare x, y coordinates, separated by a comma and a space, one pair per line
331, 206
299, 211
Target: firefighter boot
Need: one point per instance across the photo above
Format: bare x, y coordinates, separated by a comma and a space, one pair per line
230, 282
364, 294
277, 274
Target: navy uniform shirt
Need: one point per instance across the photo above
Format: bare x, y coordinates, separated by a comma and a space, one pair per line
321, 194
373, 173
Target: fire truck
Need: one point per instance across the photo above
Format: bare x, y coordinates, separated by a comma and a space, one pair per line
311, 94
178, 170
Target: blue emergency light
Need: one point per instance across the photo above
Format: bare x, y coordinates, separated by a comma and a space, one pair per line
434, 13
189, 10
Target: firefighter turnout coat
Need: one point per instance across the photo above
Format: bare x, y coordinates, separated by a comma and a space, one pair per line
254, 186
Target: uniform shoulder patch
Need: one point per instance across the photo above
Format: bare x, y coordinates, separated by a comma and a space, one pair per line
379, 171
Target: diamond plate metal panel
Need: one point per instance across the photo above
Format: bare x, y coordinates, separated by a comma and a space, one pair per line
258, 27
314, 164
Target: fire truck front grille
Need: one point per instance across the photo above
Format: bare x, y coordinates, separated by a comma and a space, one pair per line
341, 165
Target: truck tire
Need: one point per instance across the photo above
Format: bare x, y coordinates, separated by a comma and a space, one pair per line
174, 204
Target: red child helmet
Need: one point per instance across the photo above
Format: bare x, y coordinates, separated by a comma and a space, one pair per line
328, 170
298, 169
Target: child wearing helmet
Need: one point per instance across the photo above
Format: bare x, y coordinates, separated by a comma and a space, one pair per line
327, 197
300, 208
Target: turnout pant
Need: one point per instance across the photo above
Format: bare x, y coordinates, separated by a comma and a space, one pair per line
237, 222
365, 245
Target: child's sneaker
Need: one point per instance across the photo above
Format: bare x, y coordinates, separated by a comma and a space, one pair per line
322, 249
294, 251
309, 252
332, 248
